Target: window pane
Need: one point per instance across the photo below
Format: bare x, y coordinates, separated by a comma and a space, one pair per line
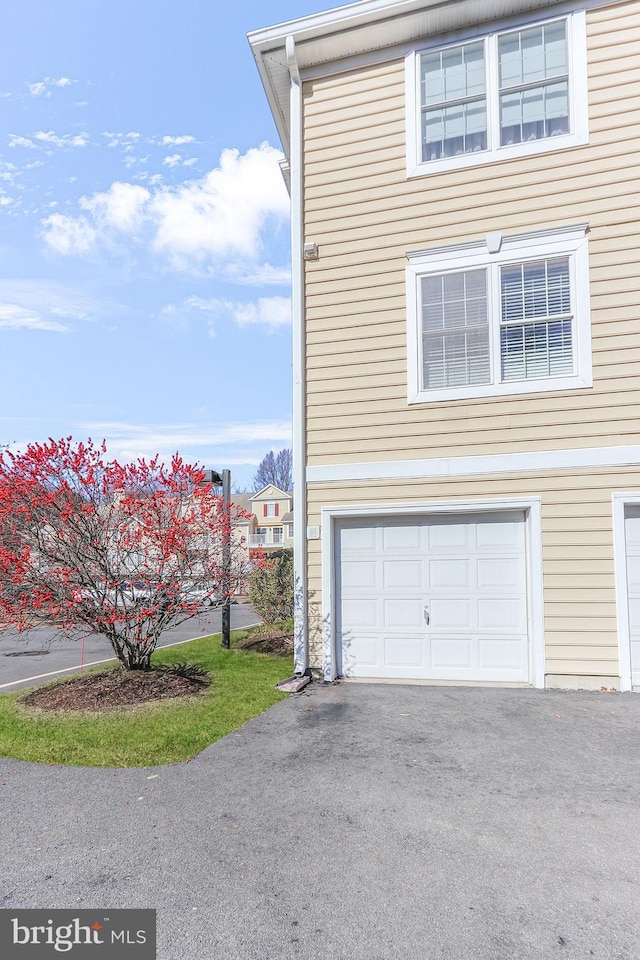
535, 113
536, 54
536, 350
536, 293
455, 330
456, 73
454, 113
534, 88
450, 131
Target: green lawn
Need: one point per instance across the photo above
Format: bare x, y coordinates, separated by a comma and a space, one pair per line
164, 732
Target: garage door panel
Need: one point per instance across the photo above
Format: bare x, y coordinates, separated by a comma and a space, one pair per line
504, 572
633, 572
401, 538
498, 534
404, 574
403, 613
433, 597
449, 573
403, 651
360, 613
451, 652
358, 574
448, 535
495, 613
357, 538
451, 613
358, 651
500, 654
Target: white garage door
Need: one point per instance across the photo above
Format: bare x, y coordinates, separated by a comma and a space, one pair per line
439, 598
632, 538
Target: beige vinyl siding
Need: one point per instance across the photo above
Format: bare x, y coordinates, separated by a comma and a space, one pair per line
577, 548
365, 215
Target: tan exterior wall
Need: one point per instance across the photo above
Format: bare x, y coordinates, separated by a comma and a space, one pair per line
365, 215
577, 547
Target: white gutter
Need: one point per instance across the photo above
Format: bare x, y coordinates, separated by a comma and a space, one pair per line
300, 634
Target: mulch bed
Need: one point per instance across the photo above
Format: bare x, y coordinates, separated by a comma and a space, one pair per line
268, 639
114, 689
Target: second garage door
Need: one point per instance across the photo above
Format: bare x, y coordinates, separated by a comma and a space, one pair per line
440, 598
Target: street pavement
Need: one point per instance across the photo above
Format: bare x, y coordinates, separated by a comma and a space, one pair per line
42, 654
358, 822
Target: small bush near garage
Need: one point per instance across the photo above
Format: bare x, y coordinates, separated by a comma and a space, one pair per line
271, 587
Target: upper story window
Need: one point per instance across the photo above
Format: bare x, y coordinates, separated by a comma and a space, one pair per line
509, 315
271, 509
511, 93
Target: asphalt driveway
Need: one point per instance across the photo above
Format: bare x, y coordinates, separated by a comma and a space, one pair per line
360, 822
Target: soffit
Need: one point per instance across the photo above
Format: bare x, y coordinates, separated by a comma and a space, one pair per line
362, 28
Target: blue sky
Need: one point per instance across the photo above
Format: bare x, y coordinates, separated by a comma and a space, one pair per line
144, 245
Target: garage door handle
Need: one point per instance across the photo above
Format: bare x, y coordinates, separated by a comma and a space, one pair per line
427, 615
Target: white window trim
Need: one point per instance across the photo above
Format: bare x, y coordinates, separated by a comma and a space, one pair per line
570, 241
578, 103
271, 509
532, 508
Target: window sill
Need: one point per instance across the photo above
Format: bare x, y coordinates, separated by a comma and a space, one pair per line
513, 388
487, 157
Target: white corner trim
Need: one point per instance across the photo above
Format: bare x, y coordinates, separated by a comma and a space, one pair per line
503, 463
619, 502
531, 506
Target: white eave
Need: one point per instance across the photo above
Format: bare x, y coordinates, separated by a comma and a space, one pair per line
361, 28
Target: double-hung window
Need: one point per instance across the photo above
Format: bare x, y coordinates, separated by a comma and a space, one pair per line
505, 315
512, 92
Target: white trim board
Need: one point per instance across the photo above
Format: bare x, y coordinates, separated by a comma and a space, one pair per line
620, 501
503, 463
532, 508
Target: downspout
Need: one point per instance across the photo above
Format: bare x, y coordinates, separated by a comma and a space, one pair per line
301, 644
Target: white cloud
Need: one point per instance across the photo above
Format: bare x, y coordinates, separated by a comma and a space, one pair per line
13, 317
270, 312
16, 141
126, 140
127, 441
69, 235
260, 275
273, 313
222, 214
122, 207
43, 87
44, 305
199, 224
66, 140
172, 161
177, 141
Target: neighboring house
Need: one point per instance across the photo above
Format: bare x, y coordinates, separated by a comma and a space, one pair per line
466, 304
270, 526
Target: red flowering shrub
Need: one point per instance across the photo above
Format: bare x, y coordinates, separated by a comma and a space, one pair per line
86, 542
